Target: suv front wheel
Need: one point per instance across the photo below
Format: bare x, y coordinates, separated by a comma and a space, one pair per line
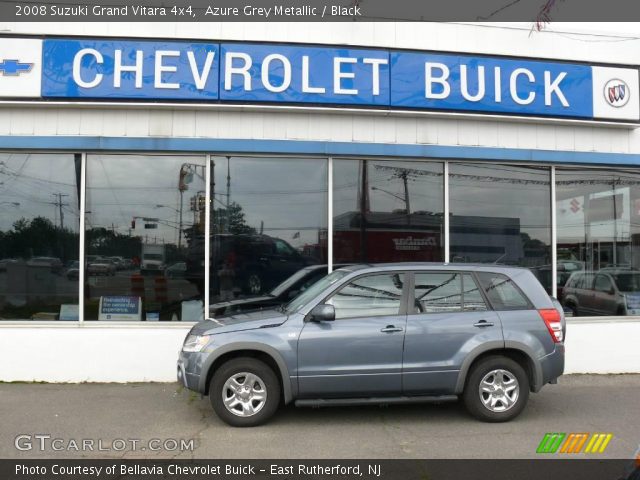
244, 392
497, 389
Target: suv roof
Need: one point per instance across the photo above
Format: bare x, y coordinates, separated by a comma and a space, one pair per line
437, 265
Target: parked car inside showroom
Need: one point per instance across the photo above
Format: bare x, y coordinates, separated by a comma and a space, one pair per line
384, 334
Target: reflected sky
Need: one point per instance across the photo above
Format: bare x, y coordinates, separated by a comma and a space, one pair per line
503, 191
121, 187
29, 184
286, 197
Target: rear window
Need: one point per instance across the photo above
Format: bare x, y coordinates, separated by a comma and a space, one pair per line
502, 292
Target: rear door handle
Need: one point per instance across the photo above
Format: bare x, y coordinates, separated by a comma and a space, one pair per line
391, 328
483, 323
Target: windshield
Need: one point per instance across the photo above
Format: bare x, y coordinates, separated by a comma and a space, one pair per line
314, 290
289, 282
628, 282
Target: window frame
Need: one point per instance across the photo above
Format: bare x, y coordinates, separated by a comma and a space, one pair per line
530, 305
411, 307
403, 299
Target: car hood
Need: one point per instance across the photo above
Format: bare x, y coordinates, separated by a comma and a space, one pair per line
240, 321
241, 301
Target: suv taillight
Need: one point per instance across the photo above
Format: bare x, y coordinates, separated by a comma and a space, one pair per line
552, 320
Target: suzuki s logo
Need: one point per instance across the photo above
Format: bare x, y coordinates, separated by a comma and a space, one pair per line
616, 93
13, 68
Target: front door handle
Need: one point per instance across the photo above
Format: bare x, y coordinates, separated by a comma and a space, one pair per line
391, 328
483, 323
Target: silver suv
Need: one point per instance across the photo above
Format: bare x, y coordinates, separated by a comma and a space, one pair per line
384, 334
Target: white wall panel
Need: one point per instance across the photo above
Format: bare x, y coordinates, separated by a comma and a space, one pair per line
68, 123
115, 122
142, 353
161, 124
427, 131
314, 126
184, 123
137, 123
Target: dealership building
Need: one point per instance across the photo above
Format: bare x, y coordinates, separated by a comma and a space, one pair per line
149, 171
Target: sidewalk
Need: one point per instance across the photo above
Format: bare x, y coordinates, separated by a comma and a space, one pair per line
166, 412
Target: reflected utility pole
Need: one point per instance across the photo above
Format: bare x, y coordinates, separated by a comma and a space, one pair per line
60, 204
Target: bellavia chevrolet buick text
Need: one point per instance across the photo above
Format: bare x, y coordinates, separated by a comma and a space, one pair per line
393, 333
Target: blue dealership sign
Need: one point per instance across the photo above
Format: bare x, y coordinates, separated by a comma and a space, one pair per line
296, 74
130, 69
250, 73
465, 83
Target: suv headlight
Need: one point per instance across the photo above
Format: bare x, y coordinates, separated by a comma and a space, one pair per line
195, 343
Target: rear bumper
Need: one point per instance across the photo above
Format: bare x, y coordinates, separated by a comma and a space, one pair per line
551, 366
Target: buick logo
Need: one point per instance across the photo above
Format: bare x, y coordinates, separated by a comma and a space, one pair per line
616, 93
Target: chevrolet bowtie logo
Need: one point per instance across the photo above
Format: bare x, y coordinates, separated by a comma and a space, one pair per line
14, 67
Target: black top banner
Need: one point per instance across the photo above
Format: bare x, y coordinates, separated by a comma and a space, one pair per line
536, 11
547, 469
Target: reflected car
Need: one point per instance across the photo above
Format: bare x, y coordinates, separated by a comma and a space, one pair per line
5, 261
287, 290
73, 272
606, 292
177, 270
256, 262
101, 266
52, 262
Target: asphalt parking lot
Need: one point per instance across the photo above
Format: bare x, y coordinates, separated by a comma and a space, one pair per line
106, 412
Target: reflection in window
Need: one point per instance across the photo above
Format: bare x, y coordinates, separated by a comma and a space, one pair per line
268, 221
144, 229
502, 292
438, 292
473, 300
598, 215
370, 296
39, 239
501, 214
387, 211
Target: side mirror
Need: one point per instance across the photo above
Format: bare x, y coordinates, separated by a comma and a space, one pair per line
322, 313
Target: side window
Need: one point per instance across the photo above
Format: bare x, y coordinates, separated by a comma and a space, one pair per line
587, 281
283, 249
502, 292
438, 292
602, 283
370, 296
473, 301
575, 281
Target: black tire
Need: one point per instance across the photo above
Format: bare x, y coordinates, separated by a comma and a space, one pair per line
473, 398
267, 378
254, 285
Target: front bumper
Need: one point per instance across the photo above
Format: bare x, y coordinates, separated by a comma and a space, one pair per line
189, 368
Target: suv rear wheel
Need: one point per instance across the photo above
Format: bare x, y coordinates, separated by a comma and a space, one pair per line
244, 392
497, 389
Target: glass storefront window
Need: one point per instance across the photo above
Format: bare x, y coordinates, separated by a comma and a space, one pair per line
268, 224
598, 241
501, 214
385, 211
144, 218
39, 236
